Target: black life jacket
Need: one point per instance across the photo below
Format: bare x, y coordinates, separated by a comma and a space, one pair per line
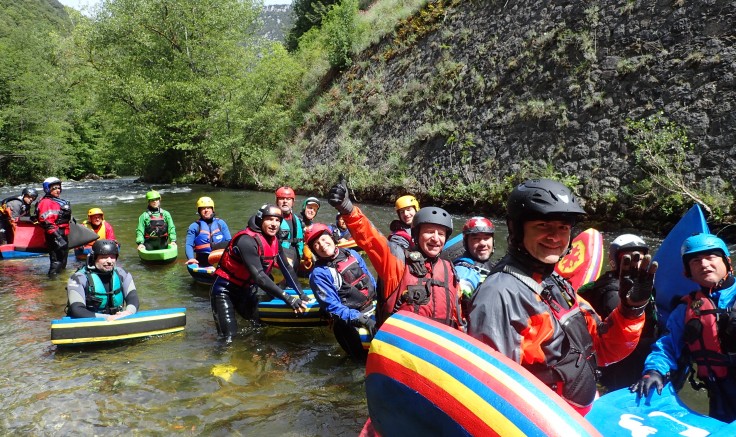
357, 290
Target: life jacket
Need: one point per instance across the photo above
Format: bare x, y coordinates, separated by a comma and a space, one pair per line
703, 337
157, 226
483, 268
356, 291
292, 234
209, 234
101, 231
98, 299
432, 294
577, 366
63, 213
231, 265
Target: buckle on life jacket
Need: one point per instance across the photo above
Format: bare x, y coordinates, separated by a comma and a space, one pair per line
417, 294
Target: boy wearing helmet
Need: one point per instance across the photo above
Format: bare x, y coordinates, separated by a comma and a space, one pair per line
11, 210
474, 265
102, 289
418, 281
700, 330
344, 288
603, 296
406, 208
533, 315
291, 234
245, 267
207, 233
155, 228
54, 215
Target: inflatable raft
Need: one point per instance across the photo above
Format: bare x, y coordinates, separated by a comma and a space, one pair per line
202, 275
160, 255
30, 240
69, 331
277, 313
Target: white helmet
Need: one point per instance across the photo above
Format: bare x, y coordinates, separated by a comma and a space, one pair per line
626, 242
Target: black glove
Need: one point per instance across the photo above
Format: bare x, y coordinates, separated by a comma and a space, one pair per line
369, 323
636, 279
338, 198
650, 379
294, 302
58, 241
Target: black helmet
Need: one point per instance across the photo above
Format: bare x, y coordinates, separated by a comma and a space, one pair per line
431, 215
267, 210
104, 247
30, 192
537, 199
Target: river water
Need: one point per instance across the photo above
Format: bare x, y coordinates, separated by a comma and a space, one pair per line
269, 381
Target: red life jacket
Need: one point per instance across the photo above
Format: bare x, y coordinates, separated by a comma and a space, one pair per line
357, 290
231, 265
428, 290
701, 317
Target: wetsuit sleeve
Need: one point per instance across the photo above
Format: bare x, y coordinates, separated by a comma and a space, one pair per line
363, 266
226, 236
668, 348
388, 267
141, 228
323, 281
616, 337
248, 249
189, 242
289, 274
171, 226
76, 297
129, 291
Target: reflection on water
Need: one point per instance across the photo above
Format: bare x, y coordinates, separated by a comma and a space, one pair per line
269, 381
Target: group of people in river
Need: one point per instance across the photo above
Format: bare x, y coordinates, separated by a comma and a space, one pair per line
518, 305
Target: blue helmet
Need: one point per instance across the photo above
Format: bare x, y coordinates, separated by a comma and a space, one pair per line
700, 243
48, 182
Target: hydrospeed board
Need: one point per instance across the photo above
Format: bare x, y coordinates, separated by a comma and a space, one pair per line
584, 262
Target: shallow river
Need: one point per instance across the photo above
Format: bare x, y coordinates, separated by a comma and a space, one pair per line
269, 381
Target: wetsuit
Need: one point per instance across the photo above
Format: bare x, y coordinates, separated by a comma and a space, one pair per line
85, 301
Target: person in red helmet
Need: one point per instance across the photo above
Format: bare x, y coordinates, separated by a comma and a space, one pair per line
475, 264
291, 234
344, 287
532, 315
418, 281
245, 267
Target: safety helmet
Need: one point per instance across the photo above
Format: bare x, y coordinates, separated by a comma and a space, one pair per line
205, 202
30, 192
267, 210
48, 182
104, 247
405, 201
477, 225
318, 229
431, 215
310, 200
700, 243
95, 211
285, 192
627, 243
152, 195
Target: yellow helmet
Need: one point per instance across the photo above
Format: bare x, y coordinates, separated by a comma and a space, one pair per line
95, 211
404, 201
205, 202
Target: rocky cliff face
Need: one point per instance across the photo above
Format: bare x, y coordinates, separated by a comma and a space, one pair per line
479, 93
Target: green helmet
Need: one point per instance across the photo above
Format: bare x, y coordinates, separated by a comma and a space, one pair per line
152, 195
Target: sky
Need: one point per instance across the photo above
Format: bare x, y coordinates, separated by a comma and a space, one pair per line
79, 4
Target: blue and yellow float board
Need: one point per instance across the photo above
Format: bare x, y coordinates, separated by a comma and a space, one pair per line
277, 313
424, 378
202, 275
69, 331
670, 281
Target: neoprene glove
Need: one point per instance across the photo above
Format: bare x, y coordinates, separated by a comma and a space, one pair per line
338, 198
294, 302
369, 323
650, 379
59, 242
636, 280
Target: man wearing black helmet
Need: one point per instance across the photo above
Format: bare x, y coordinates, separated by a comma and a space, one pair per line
418, 281
533, 316
246, 266
101, 289
603, 296
11, 210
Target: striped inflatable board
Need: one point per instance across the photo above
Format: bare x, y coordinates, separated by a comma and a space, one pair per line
585, 261
159, 255
202, 275
424, 378
277, 313
670, 281
69, 331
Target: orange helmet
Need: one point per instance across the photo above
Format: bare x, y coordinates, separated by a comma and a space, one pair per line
405, 201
